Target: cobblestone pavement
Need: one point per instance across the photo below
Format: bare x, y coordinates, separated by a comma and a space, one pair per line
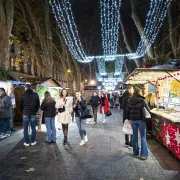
104, 157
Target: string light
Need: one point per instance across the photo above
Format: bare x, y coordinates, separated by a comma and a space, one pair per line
64, 17
155, 17
110, 19
118, 65
101, 66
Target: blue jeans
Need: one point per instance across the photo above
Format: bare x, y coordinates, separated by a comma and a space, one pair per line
26, 120
141, 125
5, 126
103, 114
81, 127
51, 130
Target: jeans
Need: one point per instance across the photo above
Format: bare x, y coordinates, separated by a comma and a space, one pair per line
51, 130
5, 126
95, 110
141, 125
103, 114
81, 127
26, 120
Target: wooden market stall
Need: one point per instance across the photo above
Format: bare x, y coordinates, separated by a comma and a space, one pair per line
12, 87
89, 90
165, 122
41, 85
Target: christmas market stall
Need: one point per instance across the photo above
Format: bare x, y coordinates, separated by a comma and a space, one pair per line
89, 90
166, 117
11, 86
41, 85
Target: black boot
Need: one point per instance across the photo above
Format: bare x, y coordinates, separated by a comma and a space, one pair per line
65, 140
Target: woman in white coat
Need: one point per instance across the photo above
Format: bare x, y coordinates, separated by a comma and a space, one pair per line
64, 106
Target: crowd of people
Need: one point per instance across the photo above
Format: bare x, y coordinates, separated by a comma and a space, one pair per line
131, 101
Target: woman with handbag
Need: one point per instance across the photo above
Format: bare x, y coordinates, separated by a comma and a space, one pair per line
49, 113
64, 107
79, 105
135, 109
104, 106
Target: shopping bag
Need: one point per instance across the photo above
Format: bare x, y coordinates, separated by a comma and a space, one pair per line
127, 129
109, 113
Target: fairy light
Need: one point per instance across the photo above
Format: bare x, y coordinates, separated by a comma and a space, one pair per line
101, 66
64, 17
63, 27
155, 17
118, 65
110, 19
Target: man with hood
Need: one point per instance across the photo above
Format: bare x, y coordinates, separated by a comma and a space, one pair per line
126, 95
30, 105
5, 114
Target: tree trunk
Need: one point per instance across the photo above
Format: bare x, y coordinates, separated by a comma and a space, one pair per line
6, 23
32, 37
172, 34
138, 23
128, 46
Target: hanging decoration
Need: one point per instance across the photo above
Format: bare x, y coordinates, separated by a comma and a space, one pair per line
118, 65
101, 66
110, 20
64, 17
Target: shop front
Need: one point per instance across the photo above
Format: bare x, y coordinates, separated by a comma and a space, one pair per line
89, 91
10, 87
166, 117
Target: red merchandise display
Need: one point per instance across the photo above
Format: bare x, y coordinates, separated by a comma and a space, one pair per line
167, 133
166, 117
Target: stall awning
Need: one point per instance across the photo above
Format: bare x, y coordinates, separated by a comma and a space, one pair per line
143, 75
49, 82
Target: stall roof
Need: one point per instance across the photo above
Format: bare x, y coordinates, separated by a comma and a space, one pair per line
143, 75
93, 88
49, 82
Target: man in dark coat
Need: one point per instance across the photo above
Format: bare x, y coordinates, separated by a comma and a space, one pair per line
95, 101
29, 107
126, 95
5, 114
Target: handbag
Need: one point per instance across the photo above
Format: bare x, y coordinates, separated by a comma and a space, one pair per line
127, 128
109, 113
61, 110
146, 114
86, 113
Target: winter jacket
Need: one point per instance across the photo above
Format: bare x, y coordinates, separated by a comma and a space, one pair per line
29, 103
106, 105
134, 108
65, 117
79, 106
48, 108
5, 106
95, 101
125, 97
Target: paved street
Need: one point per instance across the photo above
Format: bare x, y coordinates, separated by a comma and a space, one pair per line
104, 157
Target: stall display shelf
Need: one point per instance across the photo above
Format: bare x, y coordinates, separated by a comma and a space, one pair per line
174, 117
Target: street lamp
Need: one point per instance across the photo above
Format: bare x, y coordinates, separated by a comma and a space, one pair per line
69, 71
92, 82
